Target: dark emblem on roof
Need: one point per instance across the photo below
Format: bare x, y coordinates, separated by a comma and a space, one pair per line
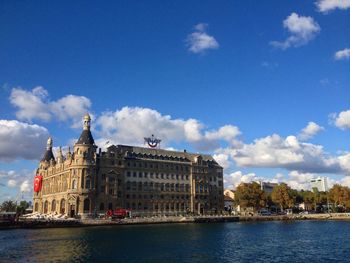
152, 141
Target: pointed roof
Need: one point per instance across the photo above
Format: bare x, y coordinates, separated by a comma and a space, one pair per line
48, 155
86, 136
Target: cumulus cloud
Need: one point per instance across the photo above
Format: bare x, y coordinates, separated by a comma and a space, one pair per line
21, 140
341, 120
232, 180
223, 160
199, 41
17, 182
11, 183
35, 104
277, 152
25, 186
302, 29
30, 104
130, 125
328, 5
310, 131
342, 54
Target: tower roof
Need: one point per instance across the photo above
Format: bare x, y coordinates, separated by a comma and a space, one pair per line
48, 155
86, 136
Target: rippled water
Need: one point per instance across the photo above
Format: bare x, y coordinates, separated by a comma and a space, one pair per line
304, 241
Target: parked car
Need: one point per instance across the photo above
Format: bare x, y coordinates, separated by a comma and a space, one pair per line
264, 212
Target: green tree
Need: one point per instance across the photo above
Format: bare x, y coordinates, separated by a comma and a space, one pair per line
8, 206
23, 205
282, 196
250, 195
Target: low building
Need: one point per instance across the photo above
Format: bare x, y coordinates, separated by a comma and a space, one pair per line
148, 181
230, 193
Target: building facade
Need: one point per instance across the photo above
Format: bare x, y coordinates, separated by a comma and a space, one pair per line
319, 183
147, 181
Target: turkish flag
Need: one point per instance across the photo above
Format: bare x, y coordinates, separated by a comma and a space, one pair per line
37, 183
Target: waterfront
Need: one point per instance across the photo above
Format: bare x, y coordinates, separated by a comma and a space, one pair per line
277, 241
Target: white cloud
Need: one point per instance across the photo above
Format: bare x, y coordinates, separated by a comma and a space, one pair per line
31, 104
25, 186
328, 5
288, 153
199, 41
130, 125
232, 180
11, 183
70, 107
298, 180
310, 131
35, 104
222, 159
21, 140
17, 184
342, 54
302, 29
342, 120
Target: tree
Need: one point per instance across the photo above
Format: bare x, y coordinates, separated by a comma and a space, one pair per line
21, 208
281, 195
250, 195
340, 195
8, 206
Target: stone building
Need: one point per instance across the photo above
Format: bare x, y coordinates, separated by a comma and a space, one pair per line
147, 181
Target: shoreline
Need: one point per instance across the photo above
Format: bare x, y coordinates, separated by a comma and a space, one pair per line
38, 224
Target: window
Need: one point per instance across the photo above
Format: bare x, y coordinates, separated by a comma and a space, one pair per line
86, 205
74, 184
103, 189
88, 183
128, 174
53, 205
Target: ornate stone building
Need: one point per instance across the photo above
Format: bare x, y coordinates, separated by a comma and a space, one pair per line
146, 180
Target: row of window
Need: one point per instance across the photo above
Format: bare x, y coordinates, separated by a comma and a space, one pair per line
156, 175
158, 166
160, 206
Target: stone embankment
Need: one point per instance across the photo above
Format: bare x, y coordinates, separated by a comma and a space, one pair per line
34, 223
331, 216
40, 223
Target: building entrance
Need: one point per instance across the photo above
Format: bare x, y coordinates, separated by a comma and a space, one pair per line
72, 211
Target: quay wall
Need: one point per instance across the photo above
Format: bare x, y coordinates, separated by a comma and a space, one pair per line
166, 220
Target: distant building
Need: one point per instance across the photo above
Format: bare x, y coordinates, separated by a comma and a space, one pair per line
320, 183
147, 181
267, 187
230, 193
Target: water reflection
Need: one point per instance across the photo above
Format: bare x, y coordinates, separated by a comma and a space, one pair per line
229, 242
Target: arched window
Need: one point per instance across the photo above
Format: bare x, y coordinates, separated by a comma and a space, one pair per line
63, 206
46, 205
102, 207
87, 205
36, 207
53, 205
87, 183
74, 184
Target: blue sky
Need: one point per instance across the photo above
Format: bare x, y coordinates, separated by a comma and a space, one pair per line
237, 79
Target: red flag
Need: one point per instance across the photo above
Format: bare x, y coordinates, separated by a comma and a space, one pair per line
37, 183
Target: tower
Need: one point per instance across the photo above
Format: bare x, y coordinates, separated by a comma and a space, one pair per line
83, 172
